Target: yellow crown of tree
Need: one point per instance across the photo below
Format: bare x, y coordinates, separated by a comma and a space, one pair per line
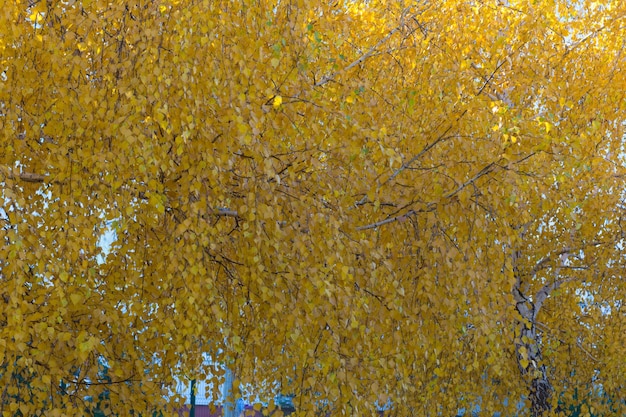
416, 205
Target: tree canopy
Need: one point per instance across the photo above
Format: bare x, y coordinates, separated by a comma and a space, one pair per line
416, 204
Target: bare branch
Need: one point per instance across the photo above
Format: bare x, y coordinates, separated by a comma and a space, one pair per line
488, 80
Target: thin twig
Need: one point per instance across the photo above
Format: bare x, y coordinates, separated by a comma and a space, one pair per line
402, 217
579, 344
389, 220
356, 62
487, 169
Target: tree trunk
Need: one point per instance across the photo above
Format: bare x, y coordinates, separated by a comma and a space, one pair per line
527, 341
529, 361
540, 394
227, 394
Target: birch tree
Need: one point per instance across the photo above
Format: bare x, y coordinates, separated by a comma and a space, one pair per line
409, 204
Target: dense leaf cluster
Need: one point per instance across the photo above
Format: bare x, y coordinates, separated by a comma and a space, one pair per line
416, 204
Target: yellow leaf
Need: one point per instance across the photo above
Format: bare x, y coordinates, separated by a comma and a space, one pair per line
76, 298
548, 126
36, 17
278, 100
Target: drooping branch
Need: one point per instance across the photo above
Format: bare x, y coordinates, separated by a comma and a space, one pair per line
32, 177
444, 136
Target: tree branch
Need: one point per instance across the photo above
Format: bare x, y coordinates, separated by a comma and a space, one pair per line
431, 206
425, 149
545, 291
225, 212
486, 170
39, 178
23, 176
370, 52
539, 265
389, 220
89, 384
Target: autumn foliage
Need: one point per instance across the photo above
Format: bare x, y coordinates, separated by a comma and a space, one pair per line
360, 203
